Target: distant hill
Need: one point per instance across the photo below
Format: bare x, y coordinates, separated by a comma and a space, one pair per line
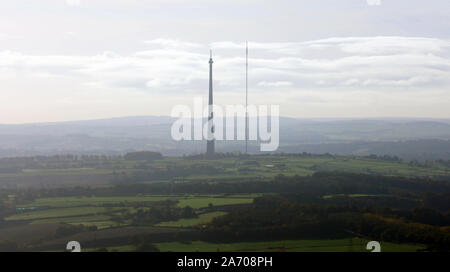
408, 138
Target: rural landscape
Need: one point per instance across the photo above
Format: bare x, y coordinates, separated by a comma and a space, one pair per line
203, 130
144, 201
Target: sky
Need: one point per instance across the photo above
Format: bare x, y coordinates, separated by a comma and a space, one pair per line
66, 60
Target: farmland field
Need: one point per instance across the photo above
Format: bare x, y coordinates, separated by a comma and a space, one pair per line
63, 212
89, 211
342, 245
261, 167
185, 223
192, 200
179, 204
90, 201
215, 201
72, 220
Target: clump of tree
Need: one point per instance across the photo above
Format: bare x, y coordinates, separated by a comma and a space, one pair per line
387, 158
289, 217
158, 214
143, 156
143, 244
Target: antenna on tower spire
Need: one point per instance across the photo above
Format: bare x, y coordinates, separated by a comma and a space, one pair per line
210, 146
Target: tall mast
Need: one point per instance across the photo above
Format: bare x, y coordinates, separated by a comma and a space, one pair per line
210, 150
246, 98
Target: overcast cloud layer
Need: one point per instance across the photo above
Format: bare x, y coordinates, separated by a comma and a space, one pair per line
72, 59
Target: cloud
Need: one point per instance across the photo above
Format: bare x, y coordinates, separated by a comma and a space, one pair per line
73, 2
169, 43
5, 37
171, 64
275, 84
338, 72
373, 2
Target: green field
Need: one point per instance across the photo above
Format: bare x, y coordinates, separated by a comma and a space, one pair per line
128, 248
202, 202
72, 220
88, 211
351, 195
195, 201
342, 245
263, 168
100, 221
191, 222
62, 212
96, 201
266, 167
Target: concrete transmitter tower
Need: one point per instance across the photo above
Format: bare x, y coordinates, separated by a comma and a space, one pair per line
210, 143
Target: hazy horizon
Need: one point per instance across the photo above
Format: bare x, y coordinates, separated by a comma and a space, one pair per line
281, 117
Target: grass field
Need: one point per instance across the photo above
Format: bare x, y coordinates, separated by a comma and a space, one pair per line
191, 222
96, 201
201, 202
72, 220
266, 167
88, 211
63, 212
351, 195
342, 245
195, 201
128, 248
98, 220
262, 168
